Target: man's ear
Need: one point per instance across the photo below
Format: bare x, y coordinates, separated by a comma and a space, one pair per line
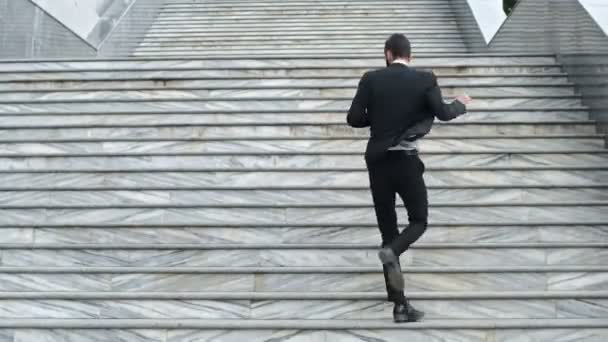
389, 56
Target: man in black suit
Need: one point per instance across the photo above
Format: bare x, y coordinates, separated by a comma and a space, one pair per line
399, 105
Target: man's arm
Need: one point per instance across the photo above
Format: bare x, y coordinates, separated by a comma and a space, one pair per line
444, 111
357, 114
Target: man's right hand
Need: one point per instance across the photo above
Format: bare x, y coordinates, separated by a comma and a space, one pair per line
464, 99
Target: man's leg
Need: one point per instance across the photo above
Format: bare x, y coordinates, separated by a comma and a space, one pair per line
412, 190
383, 195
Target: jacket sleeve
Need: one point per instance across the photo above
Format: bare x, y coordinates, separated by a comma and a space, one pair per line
357, 114
443, 111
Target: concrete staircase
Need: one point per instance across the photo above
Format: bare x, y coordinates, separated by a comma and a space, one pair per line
215, 198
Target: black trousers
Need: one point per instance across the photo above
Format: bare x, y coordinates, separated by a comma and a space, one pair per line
399, 173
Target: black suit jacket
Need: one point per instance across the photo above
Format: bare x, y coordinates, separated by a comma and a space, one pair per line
397, 103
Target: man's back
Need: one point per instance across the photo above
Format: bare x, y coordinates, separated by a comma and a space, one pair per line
398, 102
397, 99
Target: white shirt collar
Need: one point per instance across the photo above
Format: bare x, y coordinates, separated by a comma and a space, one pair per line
401, 61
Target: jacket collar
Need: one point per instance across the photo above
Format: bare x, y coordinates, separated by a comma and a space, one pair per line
399, 63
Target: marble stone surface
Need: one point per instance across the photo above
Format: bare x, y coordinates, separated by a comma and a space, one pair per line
293, 309
209, 151
301, 146
493, 62
286, 235
290, 216
347, 197
118, 335
309, 179
311, 282
353, 335
301, 257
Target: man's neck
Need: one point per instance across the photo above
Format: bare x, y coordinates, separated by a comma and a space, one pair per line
401, 61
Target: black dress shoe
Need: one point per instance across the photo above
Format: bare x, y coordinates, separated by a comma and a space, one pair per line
391, 262
404, 313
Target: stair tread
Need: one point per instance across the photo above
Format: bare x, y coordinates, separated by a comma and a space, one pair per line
243, 324
306, 270
487, 295
309, 246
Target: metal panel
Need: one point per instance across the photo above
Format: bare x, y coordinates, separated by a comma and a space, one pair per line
131, 29
469, 28
26, 31
566, 28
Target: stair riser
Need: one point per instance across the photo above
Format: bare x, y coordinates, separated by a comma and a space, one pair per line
319, 92
232, 29
495, 62
284, 309
301, 258
288, 197
263, 335
376, 6
342, 34
261, 235
277, 180
344, 282
330, 13
269, 161
346, 18
240, 52
296, 146
406, 27
255, 103
295, 216
235, 78
291, 45
319, 124
274, 4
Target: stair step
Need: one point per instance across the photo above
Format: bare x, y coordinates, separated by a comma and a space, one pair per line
303, 14
258, 179
401, 19
246, 235
305, 279
310, 90
523, 76
205, 309
298, 256
174, 330
460, 61
307, 3
266, 197
308, 45
236, 146
275, 126
283, 53
584, 213
216, 34
290, 162
296, 206
260, 104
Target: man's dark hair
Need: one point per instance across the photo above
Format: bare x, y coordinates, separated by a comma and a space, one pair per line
399, 46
